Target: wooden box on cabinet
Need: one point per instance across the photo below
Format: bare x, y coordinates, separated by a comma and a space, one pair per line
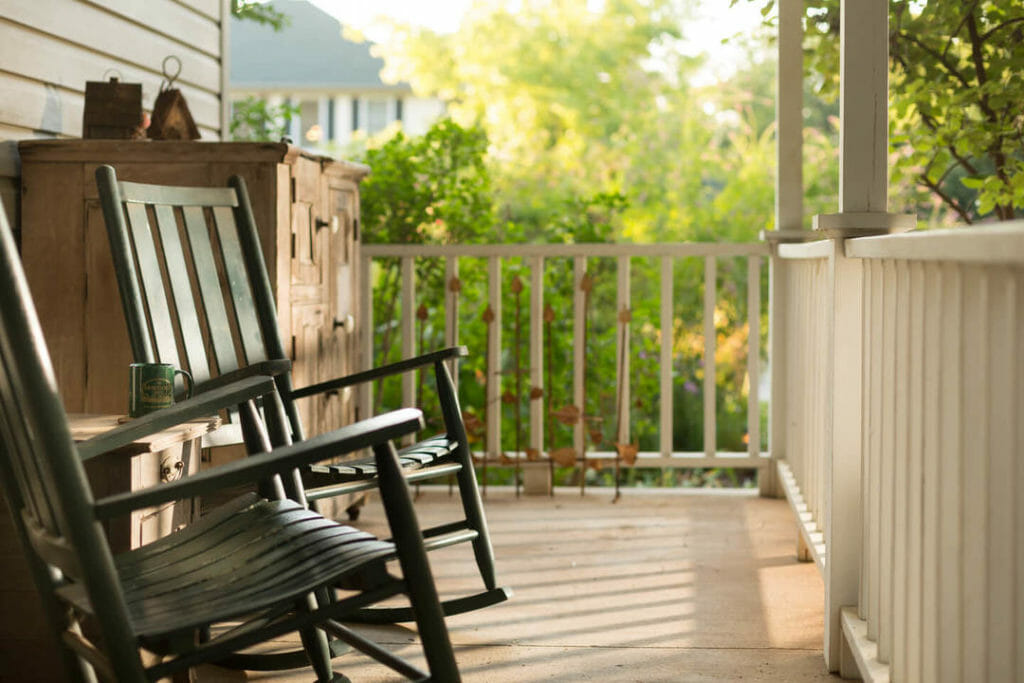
307, 210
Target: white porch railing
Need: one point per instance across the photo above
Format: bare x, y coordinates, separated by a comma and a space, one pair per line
580, 255
907, 465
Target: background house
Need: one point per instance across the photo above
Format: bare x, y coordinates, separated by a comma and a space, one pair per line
334, 82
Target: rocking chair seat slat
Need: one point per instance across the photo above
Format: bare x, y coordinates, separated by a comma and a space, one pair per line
432, 451
177, 584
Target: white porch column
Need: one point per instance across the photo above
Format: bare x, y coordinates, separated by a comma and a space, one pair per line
789, 210
789, 93
863, 125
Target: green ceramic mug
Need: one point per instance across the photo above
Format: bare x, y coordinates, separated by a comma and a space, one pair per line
151, 387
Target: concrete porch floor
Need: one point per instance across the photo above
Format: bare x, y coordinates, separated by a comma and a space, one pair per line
657, 587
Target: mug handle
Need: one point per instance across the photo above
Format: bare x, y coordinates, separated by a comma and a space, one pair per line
190, 384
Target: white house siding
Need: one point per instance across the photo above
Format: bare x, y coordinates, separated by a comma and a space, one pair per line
50, 48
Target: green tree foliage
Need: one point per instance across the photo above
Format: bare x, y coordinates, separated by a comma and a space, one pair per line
956, 90
561, 88
254, 120
260, 12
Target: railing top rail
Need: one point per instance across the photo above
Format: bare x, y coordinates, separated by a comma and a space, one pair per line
675, 249
819, 249
1002, 243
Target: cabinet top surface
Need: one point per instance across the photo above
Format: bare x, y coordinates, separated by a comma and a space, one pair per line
113, 151
85, 426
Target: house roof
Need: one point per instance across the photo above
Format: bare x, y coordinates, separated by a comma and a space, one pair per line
309, 53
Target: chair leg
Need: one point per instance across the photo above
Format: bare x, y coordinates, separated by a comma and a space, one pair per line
472, 507
412, 556
469, 491
314, 641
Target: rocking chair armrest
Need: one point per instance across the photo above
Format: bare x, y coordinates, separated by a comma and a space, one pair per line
271, 368
261, 466
396, 368
205, 404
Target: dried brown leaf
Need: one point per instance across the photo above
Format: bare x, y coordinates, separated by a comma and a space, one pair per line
535, 393
532, 454
625, 315
421, 312
549, 313
587, 282
488, 316
596, 436
517, 285
508, 398
569, 415
627, 451
564, 457
455, 285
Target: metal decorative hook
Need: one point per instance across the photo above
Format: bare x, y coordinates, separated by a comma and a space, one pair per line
168, 78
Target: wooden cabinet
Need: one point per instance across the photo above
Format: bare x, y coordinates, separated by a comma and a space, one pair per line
307, 211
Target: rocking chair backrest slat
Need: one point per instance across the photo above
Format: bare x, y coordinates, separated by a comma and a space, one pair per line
220, 329
181, 290
160, 323
238, 282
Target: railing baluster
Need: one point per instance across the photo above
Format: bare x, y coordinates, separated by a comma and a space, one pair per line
1017, 339
975, 474
951, 540
867, 365
365, 322
710, 293
667, 390
1002, 356
536, 440
579, 355
915, 472
494, 359
888, 459
753, 356
932, 472
622, 379
451, 310
408, 329
876, 468
901, 487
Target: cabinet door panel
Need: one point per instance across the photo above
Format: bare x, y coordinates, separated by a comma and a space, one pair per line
307, 353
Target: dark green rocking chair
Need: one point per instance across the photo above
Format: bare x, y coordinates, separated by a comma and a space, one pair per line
196, 294
246, 573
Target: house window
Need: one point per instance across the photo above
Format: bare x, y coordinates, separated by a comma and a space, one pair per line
376, 115
355, 114
331, 133
309, 122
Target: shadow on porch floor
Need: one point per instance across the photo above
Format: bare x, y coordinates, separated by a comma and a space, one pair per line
657, 587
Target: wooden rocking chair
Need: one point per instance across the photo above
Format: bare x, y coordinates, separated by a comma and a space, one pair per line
210, 265
248, 570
